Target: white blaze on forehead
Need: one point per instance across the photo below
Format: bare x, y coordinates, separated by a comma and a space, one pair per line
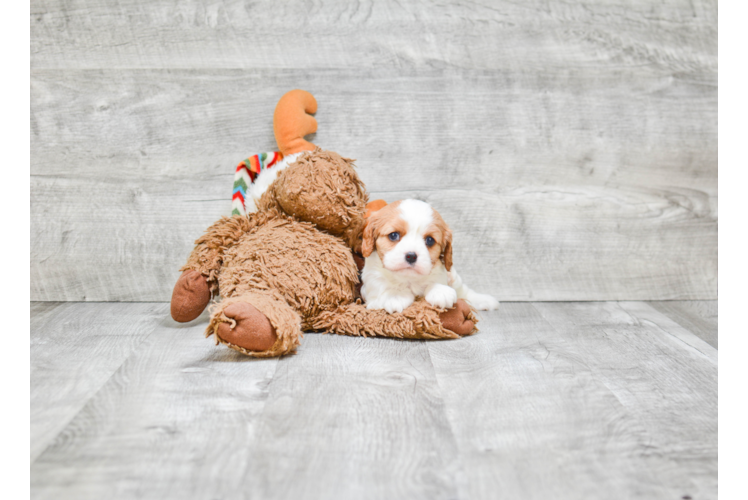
418, 215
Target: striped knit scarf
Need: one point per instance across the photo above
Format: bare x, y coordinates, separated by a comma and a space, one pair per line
246, 173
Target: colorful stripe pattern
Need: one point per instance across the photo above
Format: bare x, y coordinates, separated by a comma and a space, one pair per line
245, 175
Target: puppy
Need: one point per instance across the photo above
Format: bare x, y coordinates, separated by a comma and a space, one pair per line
407, 248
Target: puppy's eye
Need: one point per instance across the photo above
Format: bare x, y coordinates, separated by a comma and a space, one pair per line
430, 241
394, 236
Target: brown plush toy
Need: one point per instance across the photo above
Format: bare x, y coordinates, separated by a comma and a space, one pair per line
289, 267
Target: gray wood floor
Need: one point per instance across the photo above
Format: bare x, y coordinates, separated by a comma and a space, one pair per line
550, 400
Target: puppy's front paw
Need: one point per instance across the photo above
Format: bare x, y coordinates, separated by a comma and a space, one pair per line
441, 296
396, 303
391, 303
482, 302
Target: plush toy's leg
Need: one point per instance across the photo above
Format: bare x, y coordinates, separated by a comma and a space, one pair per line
419, 321
259, 324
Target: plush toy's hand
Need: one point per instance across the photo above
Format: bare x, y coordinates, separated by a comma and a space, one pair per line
292, 121
457, 319
190, 297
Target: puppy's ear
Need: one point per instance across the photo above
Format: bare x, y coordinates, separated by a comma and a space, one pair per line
446, 255
370, 236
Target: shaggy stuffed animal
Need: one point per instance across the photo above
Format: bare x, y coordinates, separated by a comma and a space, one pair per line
289, 267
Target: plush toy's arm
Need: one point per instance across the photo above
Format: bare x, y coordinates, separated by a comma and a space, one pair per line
418, 321
199, 279
207, 256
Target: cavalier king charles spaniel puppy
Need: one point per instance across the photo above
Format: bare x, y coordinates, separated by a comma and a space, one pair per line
407, 248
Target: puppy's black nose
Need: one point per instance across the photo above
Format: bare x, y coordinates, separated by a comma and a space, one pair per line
411, 257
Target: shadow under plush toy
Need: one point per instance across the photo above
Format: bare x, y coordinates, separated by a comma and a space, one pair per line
289, 266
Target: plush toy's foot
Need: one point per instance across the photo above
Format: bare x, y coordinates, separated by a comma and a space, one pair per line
190, 297
458, 319
252, 331
259, 323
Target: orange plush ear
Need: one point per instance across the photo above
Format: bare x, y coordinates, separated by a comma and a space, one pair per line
373, 206
292, 121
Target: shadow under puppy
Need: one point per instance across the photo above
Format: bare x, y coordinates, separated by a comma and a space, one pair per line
408, 253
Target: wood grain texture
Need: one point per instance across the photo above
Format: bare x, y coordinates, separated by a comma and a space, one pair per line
662, 374
548, 400
125, 245
484, 34
697, 316
585, 400
174, 421
572, 146
429, 129
355, 418
130, 166
75, 349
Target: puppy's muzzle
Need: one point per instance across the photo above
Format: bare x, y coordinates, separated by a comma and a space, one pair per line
411, 257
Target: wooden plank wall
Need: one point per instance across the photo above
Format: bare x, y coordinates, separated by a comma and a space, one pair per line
571, 145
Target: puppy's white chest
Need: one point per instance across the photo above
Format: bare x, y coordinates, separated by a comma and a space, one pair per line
419, 287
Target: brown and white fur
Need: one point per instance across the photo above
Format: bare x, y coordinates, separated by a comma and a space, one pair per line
408, 251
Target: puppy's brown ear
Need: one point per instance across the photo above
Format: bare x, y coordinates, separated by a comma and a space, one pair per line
446, 255
370, 237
